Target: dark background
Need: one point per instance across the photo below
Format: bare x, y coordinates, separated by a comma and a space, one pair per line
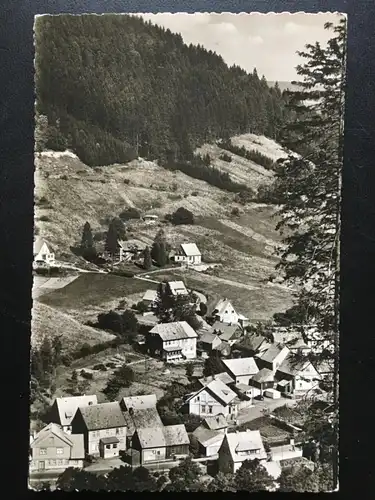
358, 214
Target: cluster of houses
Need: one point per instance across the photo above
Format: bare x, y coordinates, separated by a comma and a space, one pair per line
81, 428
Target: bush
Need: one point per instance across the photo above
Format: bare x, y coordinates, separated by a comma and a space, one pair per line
182, 216
125, 274
235, 212
100, 236
130, 213
141, 307
100, 366
194, 193
111, 365
86, 375
64, 177
44, 218
225, 157
126, 181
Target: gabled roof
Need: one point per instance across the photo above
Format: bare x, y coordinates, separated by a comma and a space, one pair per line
190, 249
215, 422
177, 288
52, 429
150, 295
208, 338
207, 437
67, 407
223, 347
223, 376
221, 306
226, 332
159, 437
138, 419
252, 342
241, 366
103, 416
110, 440
140, 402
264, 375
218, 390
276, 352
291, 366
38, 243
239, 442
132, 245
174, 331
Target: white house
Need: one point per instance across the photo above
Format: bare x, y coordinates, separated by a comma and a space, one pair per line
130, 249
297, 377
238, 447
177, 288
43, 253
173, 341
210, 434
213, 399
63, 409
189, 254
150, 218
273, 357
150, 298
223, 311
241, 369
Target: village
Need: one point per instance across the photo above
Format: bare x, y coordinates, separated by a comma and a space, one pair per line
225, 391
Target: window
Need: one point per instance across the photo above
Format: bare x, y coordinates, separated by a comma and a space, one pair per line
52, 462
197, 399
203, 408
118, 430
114, 445
300, 384
59, 451
108, 446
210, 409
43, 451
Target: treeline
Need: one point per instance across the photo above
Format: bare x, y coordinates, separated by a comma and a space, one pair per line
199, 167
252, 155
114, 87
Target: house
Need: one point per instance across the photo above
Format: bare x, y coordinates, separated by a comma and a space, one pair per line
188, 254
252, 345
150, 219
285, 452
273, 357
238, 447
262, 381
210, 434
209, 341
141, 402
130, 249
139, 418
224, 348
149, 298
156, 444
55, 450
98, 423
173, 341
227, 333
177, 288
63, 409
223, 311
297, 377
241, 369
43, 253
212, 399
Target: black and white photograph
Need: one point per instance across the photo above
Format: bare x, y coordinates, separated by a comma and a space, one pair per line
186, 262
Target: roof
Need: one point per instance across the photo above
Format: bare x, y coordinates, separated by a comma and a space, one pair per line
220, 306
207, 437
171, 348
54, 429
225, 331
173, 331
241, 366
159, 437
297, 343
148, 417
223, 346
132, 245
150, 295
264, 375
291, 366
208, 338
67, 407
216, 422
109, 440
244, 387
103, 416
140, 402
177, 288
274, 352
190, 249
78, 448
224, 377
38, 243
219, 390
252, 342
239, 442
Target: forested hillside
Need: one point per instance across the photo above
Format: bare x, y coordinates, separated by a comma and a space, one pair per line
115, 87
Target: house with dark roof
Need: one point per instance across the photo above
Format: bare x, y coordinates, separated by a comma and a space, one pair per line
103, 427
63, 410
227, 333
223, 376
173, 341
188, 254
238, 447
130, 249
212, 399
261, 381
251, 345
52, 449
210, 434
297, 376
209, 341
137, 418
152, 445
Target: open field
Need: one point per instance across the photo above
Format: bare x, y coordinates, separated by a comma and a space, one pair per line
267, 428
49, 322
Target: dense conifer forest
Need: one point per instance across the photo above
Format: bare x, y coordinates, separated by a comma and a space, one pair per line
114, 87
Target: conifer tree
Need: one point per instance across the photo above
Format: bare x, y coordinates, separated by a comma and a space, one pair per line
309, 187
147, 261
87, 239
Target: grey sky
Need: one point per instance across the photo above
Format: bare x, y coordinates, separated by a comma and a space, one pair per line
266, 41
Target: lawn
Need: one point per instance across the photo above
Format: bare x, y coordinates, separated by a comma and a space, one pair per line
267, 428
91, 289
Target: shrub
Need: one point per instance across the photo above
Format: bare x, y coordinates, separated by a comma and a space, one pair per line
182, 216
225, 157
235, 212
86, 375
44, 218
130, 213
126, 181
64, 177
174, 186
110, 364
194, 193
126, 274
